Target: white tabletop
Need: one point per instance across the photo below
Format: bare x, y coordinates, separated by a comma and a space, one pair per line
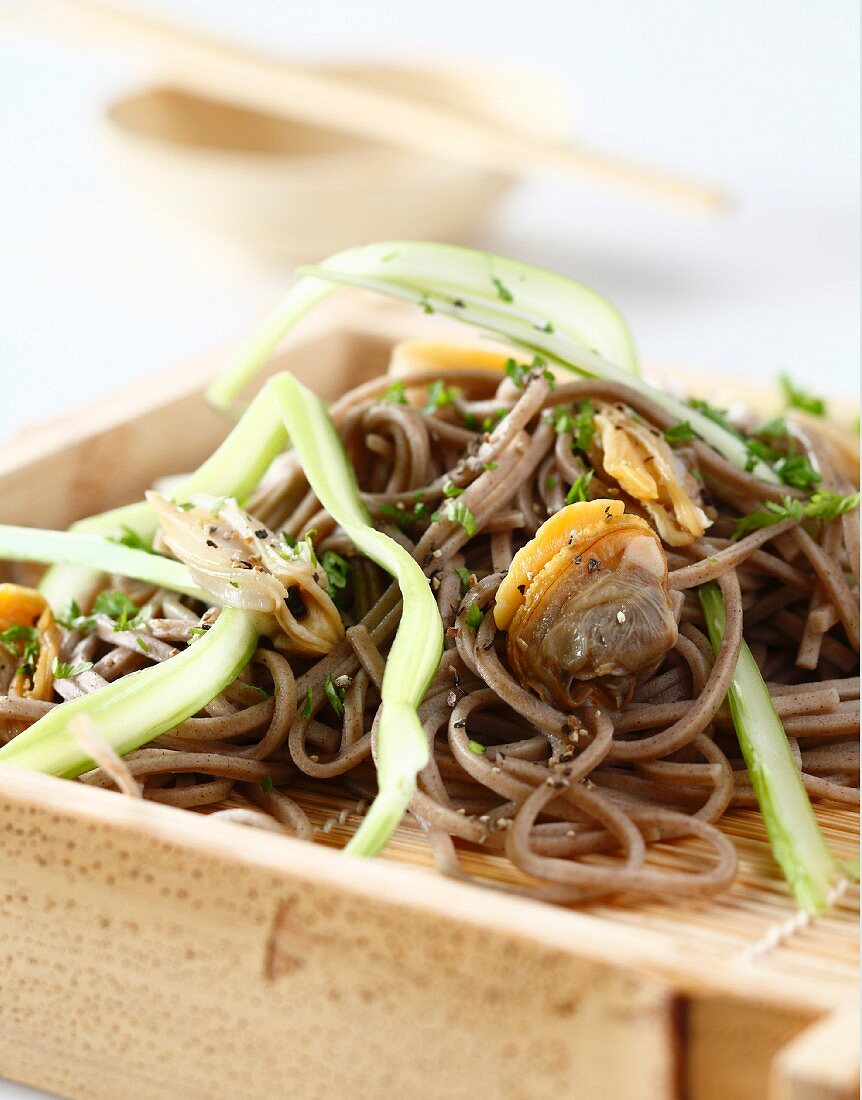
761, 97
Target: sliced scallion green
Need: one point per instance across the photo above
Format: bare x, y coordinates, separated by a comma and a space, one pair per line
143, 705
586, 333
796, 840
97, 553
402, 749
234, 469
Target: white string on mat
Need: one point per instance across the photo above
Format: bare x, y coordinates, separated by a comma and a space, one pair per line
780, 932
341, 817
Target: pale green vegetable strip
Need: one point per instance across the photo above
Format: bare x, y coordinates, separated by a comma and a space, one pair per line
141, 706
97, 553
542, 312
796, 840
559, 349
540, 299
234, 469
402, 749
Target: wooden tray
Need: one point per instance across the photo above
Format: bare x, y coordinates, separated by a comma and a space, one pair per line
149, 952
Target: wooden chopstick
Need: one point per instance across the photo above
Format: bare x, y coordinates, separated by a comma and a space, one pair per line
216, 68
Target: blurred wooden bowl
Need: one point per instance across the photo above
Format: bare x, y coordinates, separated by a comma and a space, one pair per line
294, 192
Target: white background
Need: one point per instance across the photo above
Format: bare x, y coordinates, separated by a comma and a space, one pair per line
759, 96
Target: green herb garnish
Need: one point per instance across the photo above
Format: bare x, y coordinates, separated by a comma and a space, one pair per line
583, 426
578, 491
474, 616
822, 506
124, 611
266, 784
717, 416
458, 512
308, 705
64, 671
27, 653
474, 746
337, 570
465, 575
334, 694
797, 398
796, 470
133, 540
439, 395
503, 292
395, 393
520, 373
680, 433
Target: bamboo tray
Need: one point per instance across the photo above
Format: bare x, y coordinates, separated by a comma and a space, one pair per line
149, 952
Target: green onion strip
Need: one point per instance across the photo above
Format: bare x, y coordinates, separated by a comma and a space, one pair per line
139, 707
545, 313
796, 840
402, 749
233, 470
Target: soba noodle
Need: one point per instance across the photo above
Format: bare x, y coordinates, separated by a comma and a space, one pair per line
573, 800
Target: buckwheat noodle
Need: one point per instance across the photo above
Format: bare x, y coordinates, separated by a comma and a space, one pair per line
575, 801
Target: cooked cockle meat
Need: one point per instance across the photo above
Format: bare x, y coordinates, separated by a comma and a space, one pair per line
586, 605
29, 635
245, 565
638, 457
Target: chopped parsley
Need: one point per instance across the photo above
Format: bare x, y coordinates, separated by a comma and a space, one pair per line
395, 394
450, 489
308, 705
439, 395
797, 471
822, 506
583, 426
578, 422
400, 515
474, 746
266, 784
133, 540
72, 619
773, 429
465, 575
717, 416
23, 643
520, 373
679, 433
334, 695
503, 292
797, 398
64, 671
474, 616
758, 451
125, 612
457, 512
560, 418
337, 571
578, 491
491, 465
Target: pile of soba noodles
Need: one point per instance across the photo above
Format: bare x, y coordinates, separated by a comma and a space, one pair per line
578, 714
